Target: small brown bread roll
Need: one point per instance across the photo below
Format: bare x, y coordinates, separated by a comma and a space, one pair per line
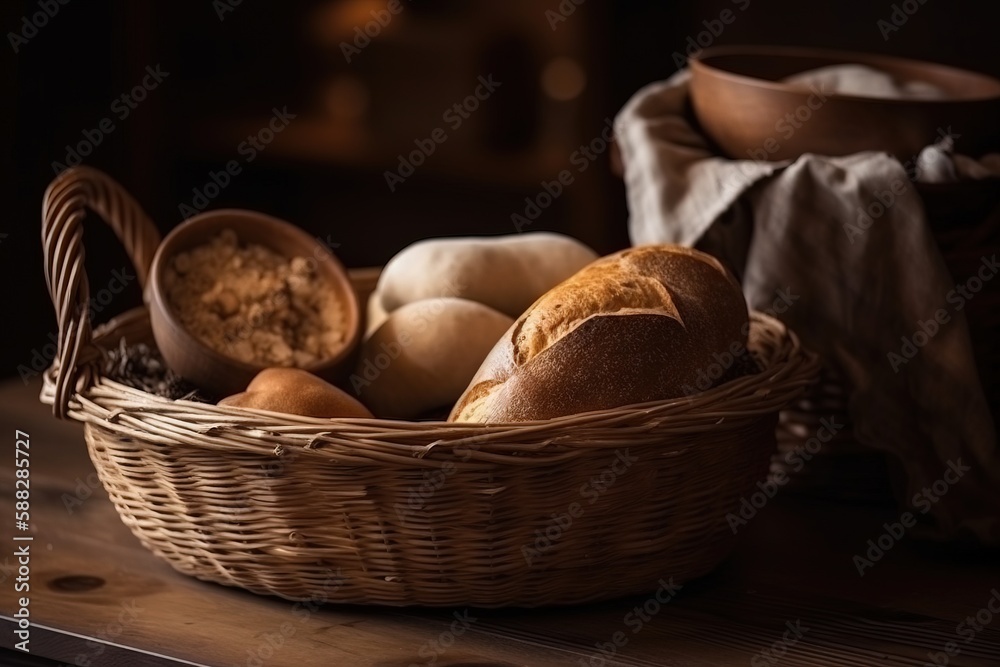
296, 392
640, 325
424, 354
506, 273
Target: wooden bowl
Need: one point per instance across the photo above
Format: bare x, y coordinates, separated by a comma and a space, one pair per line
214, 372
742, 105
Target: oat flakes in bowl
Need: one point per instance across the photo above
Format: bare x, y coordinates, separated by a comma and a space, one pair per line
233, 292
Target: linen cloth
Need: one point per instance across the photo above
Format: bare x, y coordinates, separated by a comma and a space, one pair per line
845, 241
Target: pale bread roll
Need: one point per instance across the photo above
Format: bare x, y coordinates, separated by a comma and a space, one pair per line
506, 273
376, 314
424, 354
633, 327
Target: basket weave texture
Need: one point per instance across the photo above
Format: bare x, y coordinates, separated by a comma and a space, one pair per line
567, 510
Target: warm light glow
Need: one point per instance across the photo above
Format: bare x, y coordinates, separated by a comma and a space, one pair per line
563, 79
346, 98
337, 21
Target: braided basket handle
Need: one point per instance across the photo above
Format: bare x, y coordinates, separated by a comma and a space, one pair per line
63, 210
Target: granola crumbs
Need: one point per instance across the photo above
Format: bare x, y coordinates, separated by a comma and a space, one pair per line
252, 304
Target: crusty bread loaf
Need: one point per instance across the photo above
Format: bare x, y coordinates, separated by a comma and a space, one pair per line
296, 392
423, 355
506, 273
640, 325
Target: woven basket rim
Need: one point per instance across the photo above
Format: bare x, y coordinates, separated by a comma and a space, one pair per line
104, 403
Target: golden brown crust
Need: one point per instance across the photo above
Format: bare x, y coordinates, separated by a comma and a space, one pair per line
296, 392
635, 326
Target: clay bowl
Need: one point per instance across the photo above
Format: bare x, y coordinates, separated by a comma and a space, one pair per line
742, 105
215, 373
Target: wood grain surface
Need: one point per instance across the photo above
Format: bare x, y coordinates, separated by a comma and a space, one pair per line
99, 598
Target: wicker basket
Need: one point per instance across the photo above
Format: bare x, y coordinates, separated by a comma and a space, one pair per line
580, 508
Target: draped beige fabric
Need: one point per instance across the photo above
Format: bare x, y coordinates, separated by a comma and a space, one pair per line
848, 238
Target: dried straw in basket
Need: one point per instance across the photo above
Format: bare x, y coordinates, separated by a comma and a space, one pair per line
567, 510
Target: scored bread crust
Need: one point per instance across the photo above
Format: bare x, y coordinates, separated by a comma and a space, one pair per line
632, 327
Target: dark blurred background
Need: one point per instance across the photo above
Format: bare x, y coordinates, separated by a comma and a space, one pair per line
226, 64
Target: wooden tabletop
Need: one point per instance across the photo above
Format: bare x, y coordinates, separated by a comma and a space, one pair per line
790, 595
